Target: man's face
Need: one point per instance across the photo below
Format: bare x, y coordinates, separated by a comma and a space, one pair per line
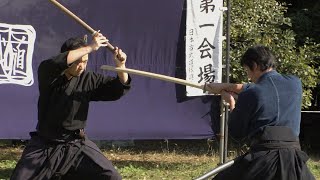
77, 68
252, 74
248, 71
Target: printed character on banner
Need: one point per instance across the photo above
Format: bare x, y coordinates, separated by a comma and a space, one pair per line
16, 50
206, 74
206, 5
205, 48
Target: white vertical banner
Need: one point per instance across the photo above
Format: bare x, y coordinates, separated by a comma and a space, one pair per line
203, 43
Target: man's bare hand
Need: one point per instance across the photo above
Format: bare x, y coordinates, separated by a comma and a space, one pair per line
120, 57
228, 98
98, 41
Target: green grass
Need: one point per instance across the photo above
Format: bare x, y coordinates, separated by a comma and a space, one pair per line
153, 165
8, 159
151, 160
314, 165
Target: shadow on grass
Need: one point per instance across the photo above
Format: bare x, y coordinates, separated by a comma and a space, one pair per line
151, 165
194, 147
5, 173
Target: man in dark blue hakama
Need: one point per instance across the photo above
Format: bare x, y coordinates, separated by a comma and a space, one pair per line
267, 113
60, 149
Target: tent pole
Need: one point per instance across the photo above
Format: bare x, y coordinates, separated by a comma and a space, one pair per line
221, 135
227, 79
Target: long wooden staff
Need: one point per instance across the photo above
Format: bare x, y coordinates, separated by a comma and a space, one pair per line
111, 48
76, 18
153, 75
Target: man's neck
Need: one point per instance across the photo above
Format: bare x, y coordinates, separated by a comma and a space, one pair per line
68, 75
260, 73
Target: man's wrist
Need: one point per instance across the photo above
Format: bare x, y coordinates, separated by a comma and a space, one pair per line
123, 66
91, 48
124, 78
236, 88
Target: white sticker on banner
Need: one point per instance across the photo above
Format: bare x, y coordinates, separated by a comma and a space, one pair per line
16, 51
203, 43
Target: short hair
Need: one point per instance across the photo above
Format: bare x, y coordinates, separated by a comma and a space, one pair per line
72, 44
260, 55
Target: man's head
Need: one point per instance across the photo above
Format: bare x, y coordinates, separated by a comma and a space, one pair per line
72, 44
257, 60
76, 68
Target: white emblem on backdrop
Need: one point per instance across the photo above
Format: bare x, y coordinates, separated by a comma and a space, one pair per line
203, 43
16, 51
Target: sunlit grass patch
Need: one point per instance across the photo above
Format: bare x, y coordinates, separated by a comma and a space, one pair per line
151, 161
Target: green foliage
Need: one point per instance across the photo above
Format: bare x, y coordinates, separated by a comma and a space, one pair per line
305, 17
264, 22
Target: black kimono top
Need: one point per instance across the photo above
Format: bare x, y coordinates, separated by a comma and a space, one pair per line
63, 104
275, 100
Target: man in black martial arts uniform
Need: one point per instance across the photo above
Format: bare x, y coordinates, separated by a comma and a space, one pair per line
59, 149
267, 113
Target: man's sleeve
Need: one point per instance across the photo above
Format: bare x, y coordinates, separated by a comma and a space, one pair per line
240, 117
246, 86
50, 71
61, 60
107, 88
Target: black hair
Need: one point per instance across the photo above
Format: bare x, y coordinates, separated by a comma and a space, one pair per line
72, 44
260, 55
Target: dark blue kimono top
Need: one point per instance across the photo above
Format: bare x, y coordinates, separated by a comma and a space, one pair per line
275, 100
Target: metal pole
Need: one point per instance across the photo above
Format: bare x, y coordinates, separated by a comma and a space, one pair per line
224, 111
216, 170
225, 154
228, 41
222, 130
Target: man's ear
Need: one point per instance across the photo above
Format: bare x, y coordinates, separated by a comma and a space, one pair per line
255, 67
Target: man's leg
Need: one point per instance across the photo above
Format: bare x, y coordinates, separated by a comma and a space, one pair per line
85, 168
30, 162
233, 172
92, 164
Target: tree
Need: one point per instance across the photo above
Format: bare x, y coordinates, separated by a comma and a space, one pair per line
264, 22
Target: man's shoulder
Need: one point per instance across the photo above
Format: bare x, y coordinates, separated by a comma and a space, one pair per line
45, 63
291, 77
52, 60
251, 90
289, 80
286, 76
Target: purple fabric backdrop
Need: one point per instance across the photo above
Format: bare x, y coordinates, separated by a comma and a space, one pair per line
149, 31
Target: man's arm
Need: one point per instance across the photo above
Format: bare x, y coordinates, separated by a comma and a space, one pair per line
241, 116
106, 88
217, 88
98, 41
76, 54
120, 59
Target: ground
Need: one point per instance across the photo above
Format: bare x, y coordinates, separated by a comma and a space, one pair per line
156, 160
